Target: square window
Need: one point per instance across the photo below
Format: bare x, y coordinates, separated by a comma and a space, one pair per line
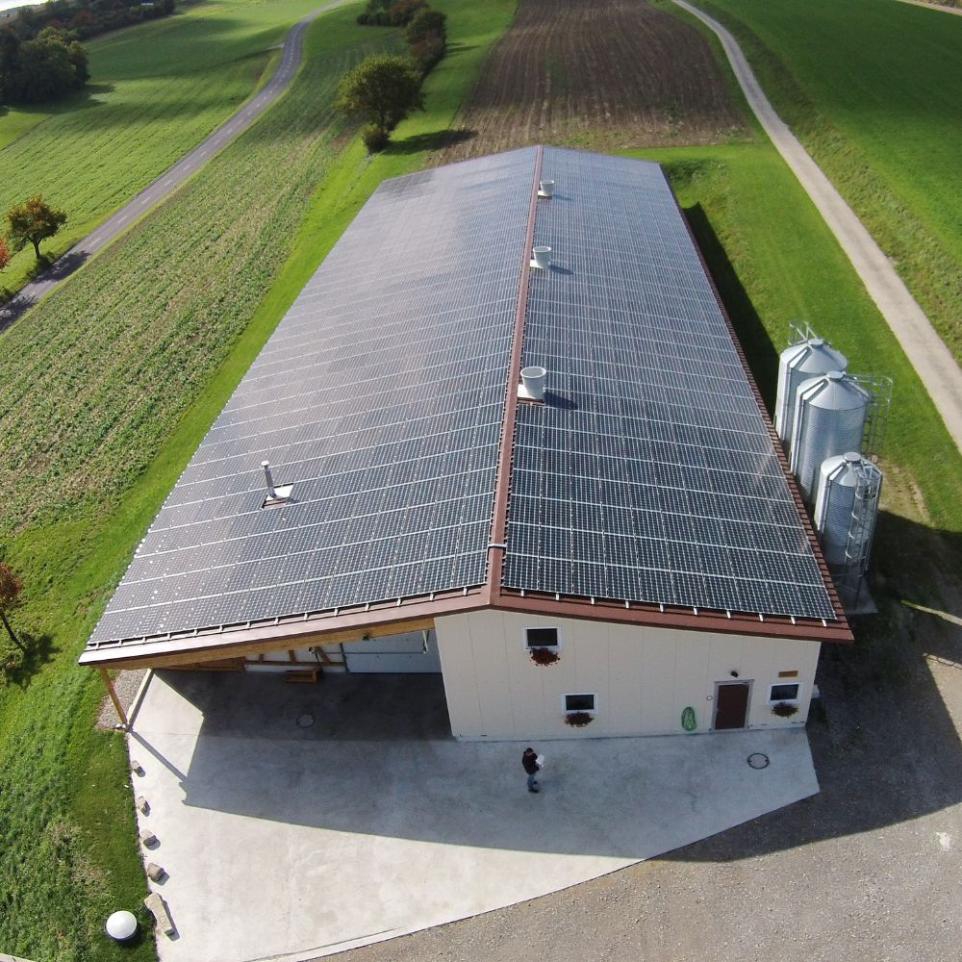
579, 702
784, 693
541, 637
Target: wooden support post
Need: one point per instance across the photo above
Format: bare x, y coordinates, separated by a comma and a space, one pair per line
121, 714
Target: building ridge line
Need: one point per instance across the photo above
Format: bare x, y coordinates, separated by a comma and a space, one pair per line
499, 519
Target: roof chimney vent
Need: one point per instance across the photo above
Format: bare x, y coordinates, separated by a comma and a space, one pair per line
546, 188
276, 494
541, 258
532, 384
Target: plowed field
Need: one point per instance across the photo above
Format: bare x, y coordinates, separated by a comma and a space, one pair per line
603, 74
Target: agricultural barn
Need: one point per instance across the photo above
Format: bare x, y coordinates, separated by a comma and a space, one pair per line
614, 542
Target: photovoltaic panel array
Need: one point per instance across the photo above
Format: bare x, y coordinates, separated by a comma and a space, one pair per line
380, 397
650, 474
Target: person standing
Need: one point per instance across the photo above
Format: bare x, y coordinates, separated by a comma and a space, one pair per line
530, 762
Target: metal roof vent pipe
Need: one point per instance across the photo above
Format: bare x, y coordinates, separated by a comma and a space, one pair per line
532, 386
540, 258
545, 188
269, 478
276, 494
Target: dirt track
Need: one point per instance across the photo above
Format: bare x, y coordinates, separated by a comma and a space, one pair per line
603, 74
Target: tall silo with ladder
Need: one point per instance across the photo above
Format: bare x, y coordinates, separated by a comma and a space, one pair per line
846, 509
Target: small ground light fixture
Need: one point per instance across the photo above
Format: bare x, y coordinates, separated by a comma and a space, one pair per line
121, 926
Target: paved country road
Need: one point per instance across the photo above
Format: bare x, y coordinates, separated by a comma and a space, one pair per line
170, 180
926, 351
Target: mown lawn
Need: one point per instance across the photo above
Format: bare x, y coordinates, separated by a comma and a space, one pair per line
105, 390
156, 90
871, 89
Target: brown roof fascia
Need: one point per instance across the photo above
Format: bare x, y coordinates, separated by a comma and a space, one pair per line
773, 435
648, 616
321, 630
499, 522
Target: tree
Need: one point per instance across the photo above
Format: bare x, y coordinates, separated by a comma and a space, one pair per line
384, 89
48, 66
10, 588
9, 61
4, 254
426, 23
32, 222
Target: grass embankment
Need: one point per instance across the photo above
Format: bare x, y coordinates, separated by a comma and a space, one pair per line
156, 90
871, 88
125, 368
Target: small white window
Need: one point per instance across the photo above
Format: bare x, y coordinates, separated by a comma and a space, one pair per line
541, 637
578, 703
779, 693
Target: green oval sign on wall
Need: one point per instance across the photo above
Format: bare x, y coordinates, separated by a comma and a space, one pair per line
688, 720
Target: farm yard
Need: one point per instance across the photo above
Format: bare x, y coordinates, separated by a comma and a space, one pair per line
108, 386
156, 90
602, 76
870, 87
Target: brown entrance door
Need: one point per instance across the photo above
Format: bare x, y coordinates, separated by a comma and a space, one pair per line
731, 704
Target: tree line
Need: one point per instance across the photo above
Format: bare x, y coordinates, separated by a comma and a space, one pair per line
41, 57
46, 67
385, 88
87, 18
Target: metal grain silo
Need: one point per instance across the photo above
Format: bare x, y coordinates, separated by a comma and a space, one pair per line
796, 364
846, 506
846, 509
830, 415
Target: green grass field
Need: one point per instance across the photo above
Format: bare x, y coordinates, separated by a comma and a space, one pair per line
871, 89
156, 90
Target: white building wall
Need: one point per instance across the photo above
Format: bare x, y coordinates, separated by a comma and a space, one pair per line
642, 678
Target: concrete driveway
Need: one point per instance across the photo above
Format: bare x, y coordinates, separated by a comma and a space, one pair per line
297, 821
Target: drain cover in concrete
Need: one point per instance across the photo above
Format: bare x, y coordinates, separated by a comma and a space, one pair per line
758, 760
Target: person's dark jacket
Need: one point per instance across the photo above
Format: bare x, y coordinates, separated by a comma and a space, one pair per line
530, 762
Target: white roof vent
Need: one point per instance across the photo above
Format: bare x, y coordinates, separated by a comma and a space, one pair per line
541, 258
532, 384
545, 188
276, 494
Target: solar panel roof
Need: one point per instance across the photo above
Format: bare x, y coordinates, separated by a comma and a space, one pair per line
649, 476
650, 473
380, 397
